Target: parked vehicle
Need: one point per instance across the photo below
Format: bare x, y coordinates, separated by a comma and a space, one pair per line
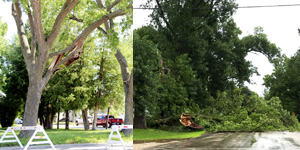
19, 121
80, 120
64, 120
101, 120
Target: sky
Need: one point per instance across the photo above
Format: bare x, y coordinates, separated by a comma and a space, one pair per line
279, 23
5, 14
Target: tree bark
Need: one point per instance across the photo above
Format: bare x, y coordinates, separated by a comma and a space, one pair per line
41, 120
99, 93
95, 116
50, 123
127, 81
41, 114
58, 119
31, 108
139, 121
67, 120
107, 118
86, 123
46, 124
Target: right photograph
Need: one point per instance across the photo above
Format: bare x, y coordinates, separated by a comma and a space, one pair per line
216, 74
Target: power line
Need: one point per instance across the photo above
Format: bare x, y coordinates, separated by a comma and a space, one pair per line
287, 5
264, 6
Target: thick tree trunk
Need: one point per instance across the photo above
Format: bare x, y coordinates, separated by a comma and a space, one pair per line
46, 126
95, 116
50, 120
129, 107
127, 79
41, 120
31, 108
139, 121
99, 93
107, 118
41, 113
86, 123
67, 120
57, 125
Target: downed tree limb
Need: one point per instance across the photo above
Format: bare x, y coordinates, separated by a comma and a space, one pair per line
210, 117
187, 121
164, 120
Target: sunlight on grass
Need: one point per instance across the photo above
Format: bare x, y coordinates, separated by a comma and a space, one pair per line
154, 134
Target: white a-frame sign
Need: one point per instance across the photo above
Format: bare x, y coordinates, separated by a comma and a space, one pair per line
36, 129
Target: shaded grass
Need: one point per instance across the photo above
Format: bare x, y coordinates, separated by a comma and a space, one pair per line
154, 134
61, 123
71, 136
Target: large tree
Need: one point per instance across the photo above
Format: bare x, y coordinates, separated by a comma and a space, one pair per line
284, 82
44, 34
206, 31
201, 53
15, 83
146, 77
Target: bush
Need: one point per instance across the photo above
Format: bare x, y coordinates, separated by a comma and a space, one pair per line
248, 113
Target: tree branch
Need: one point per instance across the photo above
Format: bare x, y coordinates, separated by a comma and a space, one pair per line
111, 24
37, 17
112, 5
89, 29
164, 18
100, 4
68, 6
17, 14
57, 63
124, 67
33, 34
76, 19
42, 45
106, 26
81, 20
102, 30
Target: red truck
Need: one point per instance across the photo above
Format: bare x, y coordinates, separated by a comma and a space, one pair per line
101, 120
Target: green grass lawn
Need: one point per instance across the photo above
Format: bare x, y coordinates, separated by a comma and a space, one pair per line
154, 134
72, 136
62, 123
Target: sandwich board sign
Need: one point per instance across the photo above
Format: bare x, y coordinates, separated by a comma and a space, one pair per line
36, 129
116, 129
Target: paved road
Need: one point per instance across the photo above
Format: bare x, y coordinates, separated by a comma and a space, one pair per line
100, 146
232, 141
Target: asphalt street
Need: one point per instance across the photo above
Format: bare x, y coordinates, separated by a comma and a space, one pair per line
232, 141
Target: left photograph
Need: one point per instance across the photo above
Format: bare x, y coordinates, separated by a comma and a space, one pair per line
66, 74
